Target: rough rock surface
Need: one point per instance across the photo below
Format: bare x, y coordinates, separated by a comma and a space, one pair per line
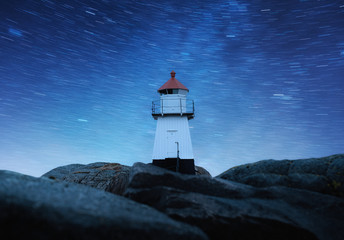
201, 171
289, 199
323, 175
39, 208
229, 210
111, 177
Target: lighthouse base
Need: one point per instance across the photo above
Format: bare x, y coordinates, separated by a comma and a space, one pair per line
186, 166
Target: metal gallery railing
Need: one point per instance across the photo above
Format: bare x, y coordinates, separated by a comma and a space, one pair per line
168, 106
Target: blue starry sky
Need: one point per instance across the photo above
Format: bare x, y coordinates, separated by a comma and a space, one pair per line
77, 79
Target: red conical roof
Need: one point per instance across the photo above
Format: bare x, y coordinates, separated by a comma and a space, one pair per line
172, 83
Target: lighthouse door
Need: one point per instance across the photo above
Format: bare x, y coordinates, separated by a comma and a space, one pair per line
171, 143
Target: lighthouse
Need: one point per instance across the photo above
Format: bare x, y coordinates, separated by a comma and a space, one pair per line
172, 145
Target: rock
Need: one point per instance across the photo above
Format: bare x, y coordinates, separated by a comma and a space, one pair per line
111, 177
60, 173
201, 171
40, 208
323, 175
335, 174
148, 176
226, 209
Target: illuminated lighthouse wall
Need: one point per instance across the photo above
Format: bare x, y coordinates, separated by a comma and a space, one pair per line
173, 112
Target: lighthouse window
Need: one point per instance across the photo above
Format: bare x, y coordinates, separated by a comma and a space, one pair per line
163, 92
169, 91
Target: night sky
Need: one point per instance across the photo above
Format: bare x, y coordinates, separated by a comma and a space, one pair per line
77, 79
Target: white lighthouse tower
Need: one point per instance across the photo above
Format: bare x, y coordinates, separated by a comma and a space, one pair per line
172, 145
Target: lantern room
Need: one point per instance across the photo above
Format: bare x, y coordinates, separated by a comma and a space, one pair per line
173, 99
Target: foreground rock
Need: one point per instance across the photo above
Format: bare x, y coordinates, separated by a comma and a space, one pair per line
39, 208
111, 177
230, 210
323, 175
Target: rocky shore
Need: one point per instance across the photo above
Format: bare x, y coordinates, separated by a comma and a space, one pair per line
288, 199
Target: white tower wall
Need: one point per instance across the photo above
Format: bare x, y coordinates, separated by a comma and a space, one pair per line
172, 129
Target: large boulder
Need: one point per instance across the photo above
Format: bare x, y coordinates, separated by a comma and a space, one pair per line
229, 210
323, 175
201, 171
40, 208
110, 177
